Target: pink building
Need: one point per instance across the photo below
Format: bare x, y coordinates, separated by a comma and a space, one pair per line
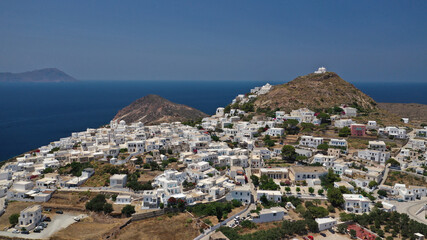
358, 129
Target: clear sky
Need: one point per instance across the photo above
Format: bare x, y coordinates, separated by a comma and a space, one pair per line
216, 40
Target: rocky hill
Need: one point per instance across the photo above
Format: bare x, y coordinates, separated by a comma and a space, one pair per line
314, 91
41, 75
153, 109
414, 111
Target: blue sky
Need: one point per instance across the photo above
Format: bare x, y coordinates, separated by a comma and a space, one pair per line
216, 40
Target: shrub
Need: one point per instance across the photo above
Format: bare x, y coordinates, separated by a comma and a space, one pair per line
13, 219
128, 210
97, 203
108, 208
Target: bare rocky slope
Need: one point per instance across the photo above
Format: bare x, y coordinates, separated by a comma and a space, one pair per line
314, 91
413, 111
153, 109
41, 75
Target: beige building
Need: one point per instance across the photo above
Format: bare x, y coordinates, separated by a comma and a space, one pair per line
275, 173
300, 173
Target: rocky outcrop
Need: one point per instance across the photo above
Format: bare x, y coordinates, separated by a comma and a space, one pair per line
153, 109
314, 91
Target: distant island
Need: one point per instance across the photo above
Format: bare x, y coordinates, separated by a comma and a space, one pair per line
40, 75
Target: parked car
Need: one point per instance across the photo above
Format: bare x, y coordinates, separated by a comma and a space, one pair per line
25, 232
59, 212
47, 219
15, 231
332, 231
323, 235
37, 230
77, 219
48, 209
310, 237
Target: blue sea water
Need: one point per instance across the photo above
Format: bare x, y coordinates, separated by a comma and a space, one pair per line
34, 114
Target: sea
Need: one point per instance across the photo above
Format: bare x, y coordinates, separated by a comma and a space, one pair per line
34, 114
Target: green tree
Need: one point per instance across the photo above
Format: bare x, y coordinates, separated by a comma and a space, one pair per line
13, 219
335, 197
372, 184
264, 200
288, 152
323, 147
97, 203
342, 228
108, 208
298, 189
382, 192
48, 170
128, 210
353, 233
324, 117
215, 138
328, 180
255, 180
287, 189
312, 225
311, 190
320, 191
393, 162
344, 132
219, 213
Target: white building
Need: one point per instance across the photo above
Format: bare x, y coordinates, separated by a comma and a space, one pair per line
374, 155
320, 70
326, 161
123, 199
136, 146
241, 193
356, 203
350, 112
275, 196
325, 223
118, 180
276, 132
377, 145
30, 217
150, 199
269, 215
310, 141
338, 143
343, 123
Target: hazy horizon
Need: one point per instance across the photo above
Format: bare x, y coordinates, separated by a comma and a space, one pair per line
364, 41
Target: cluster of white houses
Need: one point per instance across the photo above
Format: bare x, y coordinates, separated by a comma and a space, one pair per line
200, 158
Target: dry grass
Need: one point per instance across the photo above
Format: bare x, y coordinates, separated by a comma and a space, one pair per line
404, 178
357, 143
214, 219
260, 227
148, 175
75, 200
89, 228
12, 208
160, 228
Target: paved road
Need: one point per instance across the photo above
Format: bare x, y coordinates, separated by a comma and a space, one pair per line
411, 208
387, 170
59, 221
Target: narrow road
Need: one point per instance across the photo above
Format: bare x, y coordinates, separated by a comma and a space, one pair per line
411, 208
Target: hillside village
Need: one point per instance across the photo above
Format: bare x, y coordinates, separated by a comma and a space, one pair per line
304, 173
